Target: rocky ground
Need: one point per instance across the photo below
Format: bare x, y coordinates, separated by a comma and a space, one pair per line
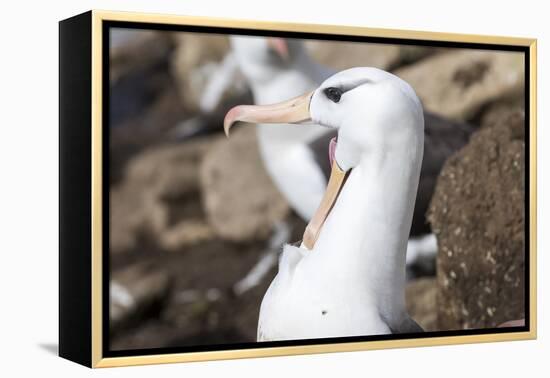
185, 230
480, 267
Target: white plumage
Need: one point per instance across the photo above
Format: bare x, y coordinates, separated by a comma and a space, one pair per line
352, 281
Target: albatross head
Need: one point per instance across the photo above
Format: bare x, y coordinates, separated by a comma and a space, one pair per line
374, 112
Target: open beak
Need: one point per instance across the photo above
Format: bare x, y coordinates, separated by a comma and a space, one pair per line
335, 184
295, 110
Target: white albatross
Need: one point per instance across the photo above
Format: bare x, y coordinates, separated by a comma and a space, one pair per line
348, 276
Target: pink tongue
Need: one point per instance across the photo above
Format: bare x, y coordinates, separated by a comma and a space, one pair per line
332, 149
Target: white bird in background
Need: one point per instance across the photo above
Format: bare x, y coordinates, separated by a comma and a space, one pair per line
278, 69
295, 158
348, 276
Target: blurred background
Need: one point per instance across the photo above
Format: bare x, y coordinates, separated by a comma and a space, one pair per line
190, 262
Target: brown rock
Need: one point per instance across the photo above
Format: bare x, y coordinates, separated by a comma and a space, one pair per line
158, 196
144, 100
477, 213
201, 307
510, 112
457, 84
343, 55
134, 291
136, 50
185, 233
420, 295
126, 218
196, 59
240, 200
195, 49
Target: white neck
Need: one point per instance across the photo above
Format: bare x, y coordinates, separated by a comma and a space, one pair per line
367, 230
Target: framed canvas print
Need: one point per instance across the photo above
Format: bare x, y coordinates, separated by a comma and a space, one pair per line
234, 189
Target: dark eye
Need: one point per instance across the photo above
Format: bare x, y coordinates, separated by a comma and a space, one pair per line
333, 94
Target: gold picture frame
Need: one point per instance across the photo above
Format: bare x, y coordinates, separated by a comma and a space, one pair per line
81, 336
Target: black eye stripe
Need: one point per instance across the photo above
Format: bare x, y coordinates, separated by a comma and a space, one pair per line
333, 94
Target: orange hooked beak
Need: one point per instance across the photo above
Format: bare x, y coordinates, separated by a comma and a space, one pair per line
293, 111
